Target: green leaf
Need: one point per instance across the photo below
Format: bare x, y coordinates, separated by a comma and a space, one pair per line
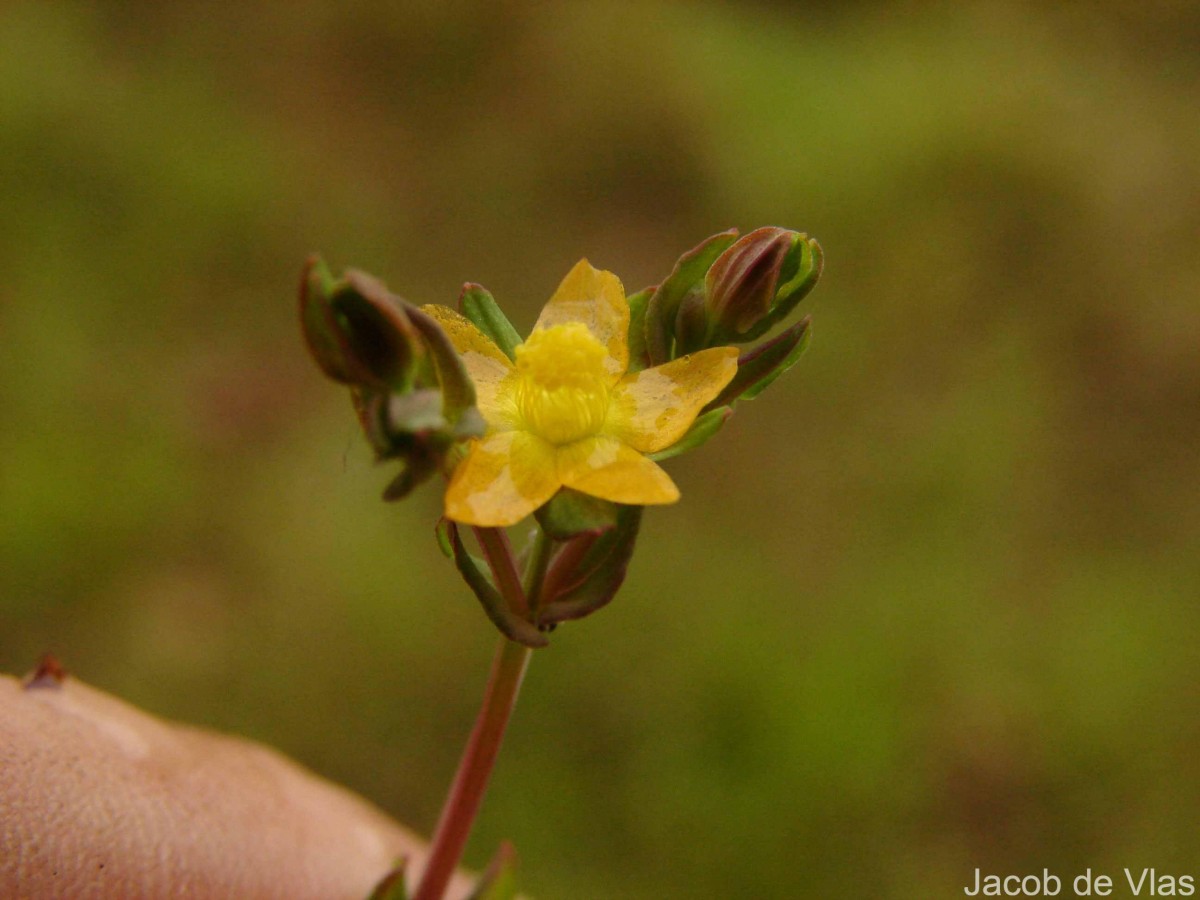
757, 368
788, 361
511, 625
481, 308
638, 356
391, 887
441, 531
598, 575
570, 513
499, 879
458, 391
687, 276
706, 425
691, 324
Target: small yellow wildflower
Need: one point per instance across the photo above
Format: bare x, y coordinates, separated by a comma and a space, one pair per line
566, 414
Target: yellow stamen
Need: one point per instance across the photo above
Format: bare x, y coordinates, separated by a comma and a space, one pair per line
562, 390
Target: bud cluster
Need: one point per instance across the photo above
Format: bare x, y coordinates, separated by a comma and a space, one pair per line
730, 290
413, 397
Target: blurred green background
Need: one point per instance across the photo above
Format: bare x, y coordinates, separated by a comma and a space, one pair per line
928, 604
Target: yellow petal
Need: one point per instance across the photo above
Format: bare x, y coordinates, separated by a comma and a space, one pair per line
597, 299
504, 478
490, 370
652, 409
463, 333
606, 468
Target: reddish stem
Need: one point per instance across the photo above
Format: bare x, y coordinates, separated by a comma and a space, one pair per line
466, 794
479, 757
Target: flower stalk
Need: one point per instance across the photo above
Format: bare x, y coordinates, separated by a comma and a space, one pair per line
499, 699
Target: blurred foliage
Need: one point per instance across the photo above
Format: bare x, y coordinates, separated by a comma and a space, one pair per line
929, 604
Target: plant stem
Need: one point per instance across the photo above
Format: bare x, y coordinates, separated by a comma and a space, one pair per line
504, 683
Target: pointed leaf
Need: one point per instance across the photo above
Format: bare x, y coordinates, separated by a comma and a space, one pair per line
687, 276
705, 426
511, 626
808, 260
499, 879
441, 531
788, 361
458, 392
481, 308
691, 324
638, 357
758, 367
391, 887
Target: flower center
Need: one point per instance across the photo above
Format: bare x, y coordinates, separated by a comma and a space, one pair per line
562, 393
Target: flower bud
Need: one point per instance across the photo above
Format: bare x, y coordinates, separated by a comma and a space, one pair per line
754, 284
725, 290
412, 395
740, 286
729, 290
357, 333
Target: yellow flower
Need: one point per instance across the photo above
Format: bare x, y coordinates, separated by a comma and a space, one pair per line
566, 414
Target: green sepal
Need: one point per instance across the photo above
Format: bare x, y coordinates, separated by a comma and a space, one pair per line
599, 574
325, 342
570, 514
441, 532
458, 391
391, 886
499, 879
691, 324
799, 275
478, 305
511, 626
638, 357
706, 425
805, 334
686, 277
759, 367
